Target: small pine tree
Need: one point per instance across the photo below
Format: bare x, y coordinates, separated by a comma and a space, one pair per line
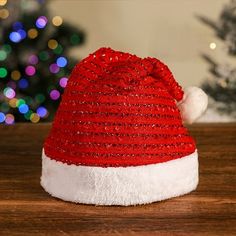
34, 61
222, 86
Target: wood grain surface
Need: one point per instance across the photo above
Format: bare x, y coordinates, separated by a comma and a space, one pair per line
25, 209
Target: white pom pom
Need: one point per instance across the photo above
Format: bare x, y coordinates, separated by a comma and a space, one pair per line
193, 104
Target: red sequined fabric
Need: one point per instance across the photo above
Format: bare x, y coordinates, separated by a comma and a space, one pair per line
119, 110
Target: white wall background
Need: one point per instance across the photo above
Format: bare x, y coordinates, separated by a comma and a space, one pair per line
166, 29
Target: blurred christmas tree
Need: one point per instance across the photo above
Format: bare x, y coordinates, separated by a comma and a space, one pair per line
222, 86
34, 61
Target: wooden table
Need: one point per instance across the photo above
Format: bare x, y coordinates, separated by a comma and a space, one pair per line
25, 209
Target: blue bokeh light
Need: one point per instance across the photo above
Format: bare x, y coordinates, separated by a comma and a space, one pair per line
23, 108
61, 61
41, 22
17, 25
15, 37
42, 111
2, 117
23, 83
22, 33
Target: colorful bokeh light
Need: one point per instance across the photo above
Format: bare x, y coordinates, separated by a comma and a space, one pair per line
43, 55
9, 92
12, 102
42, 112
11, 84
17, 25
3, 72
20, 99
40, 98
75, 39
52, 43
30, 70
2, 117
28, 114
3, 55
33, 59
63, 82
4, 13
23, 108
20, 102
61, 61
15, 37
54, 94
22, 33
7, 48
29, 100
3, 2
58, 50
34, 118
9, 120
57, 20
23, 83
15, 75
32, 33
41, 22
4, 107
54, 68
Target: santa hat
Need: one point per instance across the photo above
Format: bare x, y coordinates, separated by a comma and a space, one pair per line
118, 136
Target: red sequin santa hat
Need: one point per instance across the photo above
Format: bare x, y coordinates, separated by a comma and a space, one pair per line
118, 136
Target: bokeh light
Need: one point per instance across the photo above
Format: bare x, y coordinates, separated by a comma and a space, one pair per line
28, 100
17, 25
3, 72
12, 102
2, 117
15, 74
41, 22
9, 92
33, 59
15, 37
28, 114
32, 33
52, 43
42, 112
40, 98
15, 97
61, 61
57, 20
54, 68
9, 120
34, 118
4, 13
30, 70
58, 49
7, 48
212, 46
43, 56
4, 107
3, 2
11, 84
54, 94
20, 102
3, 55
23, 108
22, 33
74, 39
63, 82
23, 83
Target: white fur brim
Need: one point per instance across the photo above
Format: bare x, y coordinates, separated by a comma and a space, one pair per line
120, 185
